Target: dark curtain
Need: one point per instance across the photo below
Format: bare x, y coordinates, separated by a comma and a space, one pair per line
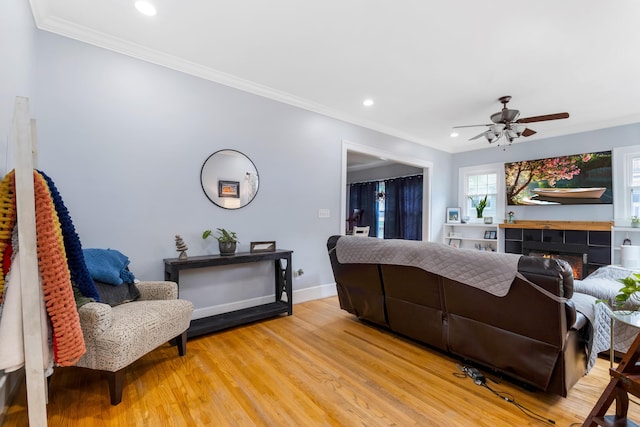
403, 208
363, 196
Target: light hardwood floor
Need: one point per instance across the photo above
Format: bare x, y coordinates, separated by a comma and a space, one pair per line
319, 367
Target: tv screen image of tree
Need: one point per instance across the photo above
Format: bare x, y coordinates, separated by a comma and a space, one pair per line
576, 179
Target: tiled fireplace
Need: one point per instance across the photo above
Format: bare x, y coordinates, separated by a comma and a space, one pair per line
584, 245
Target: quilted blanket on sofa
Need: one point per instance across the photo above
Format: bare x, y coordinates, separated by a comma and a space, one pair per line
490, 271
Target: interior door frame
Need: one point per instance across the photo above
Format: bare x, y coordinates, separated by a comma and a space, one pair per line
427, 170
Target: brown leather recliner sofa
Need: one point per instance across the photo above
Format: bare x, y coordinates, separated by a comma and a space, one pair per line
532, 333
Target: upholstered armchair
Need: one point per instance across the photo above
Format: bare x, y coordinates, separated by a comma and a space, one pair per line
117, 336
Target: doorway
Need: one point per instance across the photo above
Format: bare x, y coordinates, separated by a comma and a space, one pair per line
373, 157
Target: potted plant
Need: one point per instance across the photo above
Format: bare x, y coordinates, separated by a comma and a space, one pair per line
630, 292
479, 205
635, 221
227, 240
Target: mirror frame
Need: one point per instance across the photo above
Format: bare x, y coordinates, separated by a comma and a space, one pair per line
230, 187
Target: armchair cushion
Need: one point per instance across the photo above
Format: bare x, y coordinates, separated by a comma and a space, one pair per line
159, 290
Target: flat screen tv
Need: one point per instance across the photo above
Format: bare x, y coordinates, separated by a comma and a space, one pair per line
567, 180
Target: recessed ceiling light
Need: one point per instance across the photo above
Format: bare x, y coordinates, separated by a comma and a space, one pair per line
367, 102
454, 134
146, 8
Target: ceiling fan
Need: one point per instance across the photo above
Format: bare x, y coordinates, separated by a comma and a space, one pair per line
506, 123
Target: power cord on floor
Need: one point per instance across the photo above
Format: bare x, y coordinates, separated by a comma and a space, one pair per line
479, 379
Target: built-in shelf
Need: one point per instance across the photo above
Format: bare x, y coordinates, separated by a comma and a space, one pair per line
472, 236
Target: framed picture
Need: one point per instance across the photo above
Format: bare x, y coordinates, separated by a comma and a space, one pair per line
492, 234
262, 247
487, 234
453, 215
455, 243
229, 189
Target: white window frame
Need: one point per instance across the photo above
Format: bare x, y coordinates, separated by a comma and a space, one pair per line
621, 164
463, 179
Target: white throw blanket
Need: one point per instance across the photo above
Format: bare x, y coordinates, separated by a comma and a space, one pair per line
603, 285
11, 335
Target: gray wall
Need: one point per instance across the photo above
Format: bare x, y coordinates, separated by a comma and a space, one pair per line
599, 140
124, 140
17, 38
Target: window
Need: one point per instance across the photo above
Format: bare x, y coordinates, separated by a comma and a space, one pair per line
626, 198
480, 181
634, 184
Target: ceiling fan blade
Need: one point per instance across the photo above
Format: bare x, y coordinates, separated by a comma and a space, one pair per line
469, 126
544, 118
479, 135
528, 132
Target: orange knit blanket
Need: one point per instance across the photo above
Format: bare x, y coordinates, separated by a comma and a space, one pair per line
68, 342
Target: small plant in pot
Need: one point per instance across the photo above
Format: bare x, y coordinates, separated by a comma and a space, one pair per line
635, 221
479, 205
227, 240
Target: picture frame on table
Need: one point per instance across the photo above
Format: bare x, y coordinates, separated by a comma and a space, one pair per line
487, 234
493, 234
455, 243
453, 216
257, 247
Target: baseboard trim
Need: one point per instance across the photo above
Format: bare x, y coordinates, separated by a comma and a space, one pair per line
313, 293
299, 296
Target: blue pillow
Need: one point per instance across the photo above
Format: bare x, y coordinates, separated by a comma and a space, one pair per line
108, 266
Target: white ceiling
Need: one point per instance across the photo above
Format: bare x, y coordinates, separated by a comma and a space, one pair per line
427, 65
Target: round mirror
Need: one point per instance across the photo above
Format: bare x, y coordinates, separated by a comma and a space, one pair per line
229, 179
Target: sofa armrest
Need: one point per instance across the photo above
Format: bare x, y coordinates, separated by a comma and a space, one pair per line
162, 290
95, 318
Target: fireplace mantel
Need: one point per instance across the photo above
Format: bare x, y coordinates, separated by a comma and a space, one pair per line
561, 225
590, 239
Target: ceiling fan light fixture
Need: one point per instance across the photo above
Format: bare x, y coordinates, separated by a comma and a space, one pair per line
511, 134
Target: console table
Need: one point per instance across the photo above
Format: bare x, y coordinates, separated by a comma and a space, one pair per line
282, 281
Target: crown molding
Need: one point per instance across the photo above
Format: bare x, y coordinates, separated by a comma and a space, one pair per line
84, 34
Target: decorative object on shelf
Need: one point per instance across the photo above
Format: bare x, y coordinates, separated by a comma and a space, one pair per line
510, 219
262, 247
635, 221
627, 240
455, 243
227, 240
465, 219
479, 205
490, 234
630, 256
488, 220
453, 215
181, 247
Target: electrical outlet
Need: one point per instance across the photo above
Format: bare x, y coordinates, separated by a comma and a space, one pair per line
324, 213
